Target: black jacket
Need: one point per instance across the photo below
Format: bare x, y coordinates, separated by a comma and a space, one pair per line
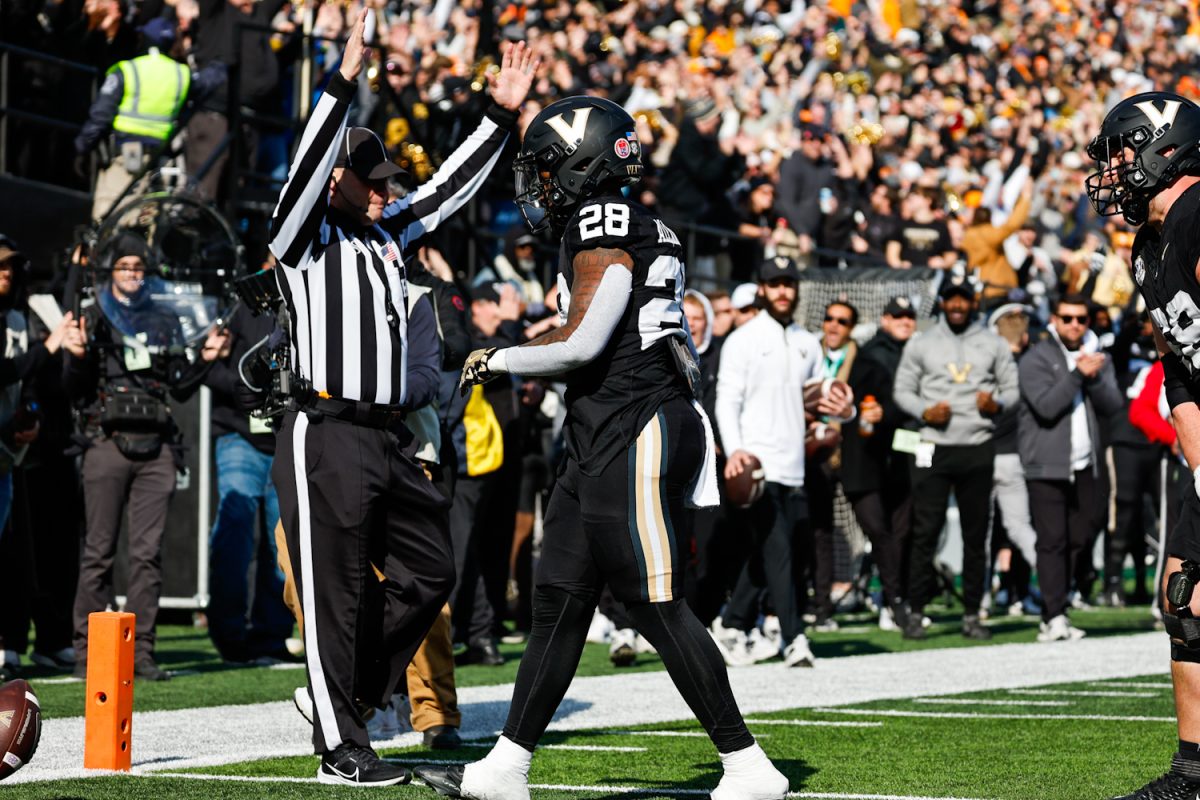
868, 462
228, 413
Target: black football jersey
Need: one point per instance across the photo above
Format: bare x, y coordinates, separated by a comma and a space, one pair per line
611, 399
1164, 266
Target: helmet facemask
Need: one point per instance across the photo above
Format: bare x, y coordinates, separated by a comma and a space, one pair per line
1120, 183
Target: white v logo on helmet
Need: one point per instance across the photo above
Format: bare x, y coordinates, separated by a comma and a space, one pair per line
1159, 118
573, 134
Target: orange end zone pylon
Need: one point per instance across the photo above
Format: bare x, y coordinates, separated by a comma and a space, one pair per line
109, 715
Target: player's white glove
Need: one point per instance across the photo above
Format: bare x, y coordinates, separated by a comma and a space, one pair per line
475, 370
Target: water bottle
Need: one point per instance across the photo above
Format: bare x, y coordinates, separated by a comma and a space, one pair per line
866, 428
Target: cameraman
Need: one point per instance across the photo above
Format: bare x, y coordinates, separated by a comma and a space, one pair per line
131, 442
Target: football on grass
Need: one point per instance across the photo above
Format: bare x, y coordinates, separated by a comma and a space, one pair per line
20, 726
745, 489
817, 388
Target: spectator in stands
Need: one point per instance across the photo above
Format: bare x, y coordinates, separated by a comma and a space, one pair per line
873, 226
802, 177
236, 34
693, 185
983, 245
874, 475
920, 238
136, 113
1067, 387
956, 378
754, 217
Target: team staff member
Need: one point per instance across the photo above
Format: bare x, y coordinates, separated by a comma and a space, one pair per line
345, 469
956, 378
1148, 170
760, 413
637, 448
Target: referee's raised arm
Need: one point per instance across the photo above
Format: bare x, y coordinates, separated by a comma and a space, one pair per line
300, 213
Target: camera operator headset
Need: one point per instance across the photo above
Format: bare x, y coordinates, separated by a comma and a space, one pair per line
126, 362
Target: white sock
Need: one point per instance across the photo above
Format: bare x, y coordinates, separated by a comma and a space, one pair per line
744, 761
507, 755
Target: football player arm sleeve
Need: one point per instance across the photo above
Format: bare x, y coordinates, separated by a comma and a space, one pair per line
599, 295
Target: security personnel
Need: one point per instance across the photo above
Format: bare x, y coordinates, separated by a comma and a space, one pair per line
346, 471
140, 103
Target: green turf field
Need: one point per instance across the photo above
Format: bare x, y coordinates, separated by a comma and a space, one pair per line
1064, 741
974, 755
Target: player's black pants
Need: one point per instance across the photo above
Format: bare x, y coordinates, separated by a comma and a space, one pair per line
619, 527
1066, 515
350, 496
967, 469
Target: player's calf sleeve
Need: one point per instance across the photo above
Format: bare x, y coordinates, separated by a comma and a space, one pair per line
695, 665
560, 623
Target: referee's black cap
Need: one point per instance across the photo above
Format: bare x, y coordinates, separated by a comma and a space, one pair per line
363, 153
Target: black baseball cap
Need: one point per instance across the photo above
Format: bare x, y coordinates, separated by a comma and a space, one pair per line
957, 285
900, 306
485, 292
363, 153
778, 267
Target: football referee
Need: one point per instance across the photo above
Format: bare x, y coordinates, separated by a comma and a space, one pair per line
350, 489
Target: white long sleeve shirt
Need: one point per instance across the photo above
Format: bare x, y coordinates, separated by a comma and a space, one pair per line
760, 394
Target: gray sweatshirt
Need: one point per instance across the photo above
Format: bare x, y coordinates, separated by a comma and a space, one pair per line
943, 365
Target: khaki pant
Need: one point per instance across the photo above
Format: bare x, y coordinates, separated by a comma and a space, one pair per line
431, 691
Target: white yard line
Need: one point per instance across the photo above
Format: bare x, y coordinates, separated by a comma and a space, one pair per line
201, 737
1133, 684
816, 723
888, 712
1081, 693
560, 787
591, 748
967, 701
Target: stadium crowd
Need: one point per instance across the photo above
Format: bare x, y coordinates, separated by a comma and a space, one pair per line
782, 140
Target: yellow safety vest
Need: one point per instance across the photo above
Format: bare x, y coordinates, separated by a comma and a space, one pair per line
155, 88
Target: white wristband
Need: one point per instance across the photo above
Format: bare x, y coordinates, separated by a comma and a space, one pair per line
1196, 480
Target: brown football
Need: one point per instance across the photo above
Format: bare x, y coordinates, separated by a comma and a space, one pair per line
817, 388
820, 440
20, 726
745, 489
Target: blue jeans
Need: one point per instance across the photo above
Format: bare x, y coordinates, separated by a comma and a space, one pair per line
240, 629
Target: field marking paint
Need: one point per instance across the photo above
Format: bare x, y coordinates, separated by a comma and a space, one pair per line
1133, 684
966, 701
816, 723
557, 787
591, 748
1080, 693
888, 712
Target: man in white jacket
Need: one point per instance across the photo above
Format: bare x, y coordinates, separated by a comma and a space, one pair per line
760, 413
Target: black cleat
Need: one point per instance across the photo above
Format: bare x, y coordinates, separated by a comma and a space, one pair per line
445, 780
352, 765
442, 737
1171, 786
973, 628
913, 627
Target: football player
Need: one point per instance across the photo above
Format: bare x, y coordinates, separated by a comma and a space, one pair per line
1148, 170
638, 447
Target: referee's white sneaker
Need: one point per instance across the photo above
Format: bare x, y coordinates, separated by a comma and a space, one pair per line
1059, 629
750, 775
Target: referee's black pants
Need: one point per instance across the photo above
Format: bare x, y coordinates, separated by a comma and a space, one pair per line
350, 495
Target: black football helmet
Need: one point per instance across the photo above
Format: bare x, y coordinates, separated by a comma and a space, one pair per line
1162, 130
571, 149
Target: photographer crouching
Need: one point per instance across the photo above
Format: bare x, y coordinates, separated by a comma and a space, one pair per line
126, 362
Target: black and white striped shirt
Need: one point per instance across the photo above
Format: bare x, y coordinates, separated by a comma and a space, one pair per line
338, 277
